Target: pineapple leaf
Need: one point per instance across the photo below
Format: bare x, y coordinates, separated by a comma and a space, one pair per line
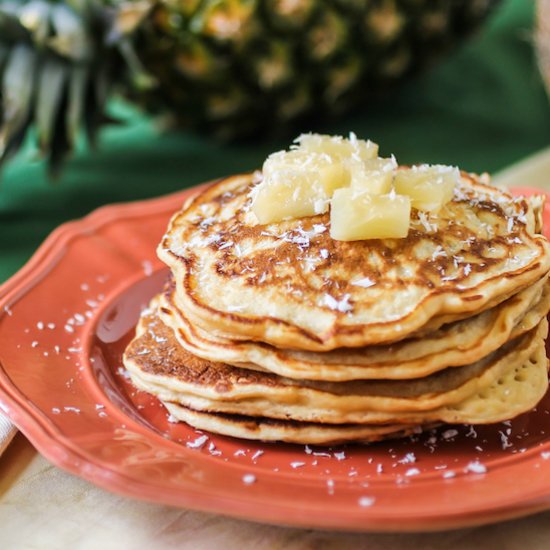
78, 82
35, 17
141, 79
17, 95
70, 40
53, 75
60, 146
129, 17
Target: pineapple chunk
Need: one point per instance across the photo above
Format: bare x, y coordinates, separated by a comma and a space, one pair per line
429, 187
333, 176
293, 197
314, 167
373, 176
337, 147
296, 184
358, 216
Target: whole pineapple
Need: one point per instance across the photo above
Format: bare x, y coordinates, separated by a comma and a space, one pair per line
230, 67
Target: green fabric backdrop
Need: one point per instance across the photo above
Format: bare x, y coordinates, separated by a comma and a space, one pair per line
482, 108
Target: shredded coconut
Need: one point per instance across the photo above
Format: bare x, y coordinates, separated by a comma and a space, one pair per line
197, 443
213, 450
365, 282
409, 458
365, 502
147, 268
257, 455
472, 432
207, 222
505, 442
424, 221
235, 309
448, 434
439, 252
249, 479
342, 305
476, 467
123, 372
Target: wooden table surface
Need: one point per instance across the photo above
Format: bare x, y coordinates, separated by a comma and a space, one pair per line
42, 506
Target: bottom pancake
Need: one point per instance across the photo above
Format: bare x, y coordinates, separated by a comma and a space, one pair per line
288, 431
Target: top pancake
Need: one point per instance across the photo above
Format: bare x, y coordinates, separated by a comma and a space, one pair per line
291, 285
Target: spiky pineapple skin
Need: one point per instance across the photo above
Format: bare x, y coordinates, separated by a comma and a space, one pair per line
239, 67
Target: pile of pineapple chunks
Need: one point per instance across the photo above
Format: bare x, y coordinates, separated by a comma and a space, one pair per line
369, 197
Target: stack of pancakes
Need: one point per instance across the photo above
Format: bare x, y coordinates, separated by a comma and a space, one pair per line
279, 332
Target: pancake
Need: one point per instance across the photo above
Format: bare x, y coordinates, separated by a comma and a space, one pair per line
268, 429
454, 344
291, 285
158, 364
517, 391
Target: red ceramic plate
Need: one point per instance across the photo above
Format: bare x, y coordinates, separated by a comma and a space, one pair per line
64, 321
